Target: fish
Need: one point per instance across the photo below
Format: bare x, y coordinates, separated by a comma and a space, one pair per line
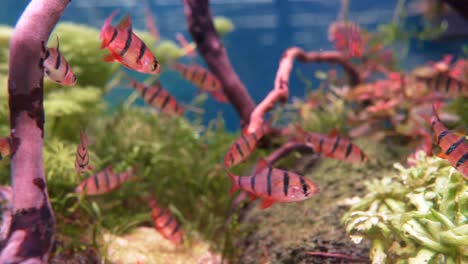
348, 38
104, 181
334, 146
56, 67
82, 156
241, 149
166, 224
444, 83
156, 96
126, 47
273, 185
425, 145
454, 148
5, 147
203, 79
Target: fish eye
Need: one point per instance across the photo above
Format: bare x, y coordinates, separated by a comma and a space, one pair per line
154, 65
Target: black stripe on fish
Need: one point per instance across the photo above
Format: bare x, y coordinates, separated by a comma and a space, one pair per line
254, 135
166, 101
441, 136
47, 54
203, 78
153, 97
117, 175
106, 175
176, 228
194, 73
349, 149
231, 157
454, 146
141, 52
145, 90
305, 188
270, 169
58, 61
252, 182
66, 69
96, 181
128, 42
335, 145
168, 221
462, 159
285, 183
321, 145
239, 149
245, 141
239, 182
448, 81
161, 212
114, 35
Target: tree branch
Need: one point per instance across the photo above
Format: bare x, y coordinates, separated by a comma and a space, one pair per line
460, 6
280, 91
32, 229
201, 27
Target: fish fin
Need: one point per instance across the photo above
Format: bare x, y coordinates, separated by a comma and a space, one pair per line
103, 44
106, 24
267, 203
90, 167
442, 155
261, 165
252, 197
333, 133
110, 58
125, 23
220, 96
436, 107
234, 188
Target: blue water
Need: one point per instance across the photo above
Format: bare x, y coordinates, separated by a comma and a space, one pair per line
264, 29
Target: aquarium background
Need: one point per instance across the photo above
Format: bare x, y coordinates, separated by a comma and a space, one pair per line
263, 30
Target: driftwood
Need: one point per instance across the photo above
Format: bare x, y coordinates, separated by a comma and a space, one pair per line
33, 224
201, 27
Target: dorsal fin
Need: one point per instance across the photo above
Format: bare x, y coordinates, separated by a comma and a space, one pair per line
261, 165
125, 23
334, 132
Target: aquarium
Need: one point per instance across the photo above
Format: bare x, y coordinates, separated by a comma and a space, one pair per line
254, 131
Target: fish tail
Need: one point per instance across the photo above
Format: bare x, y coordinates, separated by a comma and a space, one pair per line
234, 187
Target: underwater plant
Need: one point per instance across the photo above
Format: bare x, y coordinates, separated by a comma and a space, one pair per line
417, 215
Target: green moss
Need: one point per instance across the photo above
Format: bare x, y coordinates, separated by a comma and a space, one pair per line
416, 215
223, 25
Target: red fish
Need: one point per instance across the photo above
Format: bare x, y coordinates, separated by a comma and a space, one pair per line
241, 149
203, 79
82, 156
165, 223
274, 185
104, 181
425, 145
126, 47
454, 148
5, 147
334, 146
158, 97
56, 67
444, 83
348, 38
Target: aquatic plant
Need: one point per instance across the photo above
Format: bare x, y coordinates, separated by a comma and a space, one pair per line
417, 215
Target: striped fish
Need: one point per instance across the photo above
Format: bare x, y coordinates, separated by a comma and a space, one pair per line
5, 147
274, 185
104, 181
444, 83
334, 146
125, 47
56, 67
82, 156
241, 149
203, 79
166, 224
454, 148
156, 96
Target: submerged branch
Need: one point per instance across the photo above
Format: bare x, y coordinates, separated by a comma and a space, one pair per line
201, 27
280, 91
32, 228
287, 148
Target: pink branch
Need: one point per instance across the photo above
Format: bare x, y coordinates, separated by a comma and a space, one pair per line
201, 27
280, 91
32, 229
